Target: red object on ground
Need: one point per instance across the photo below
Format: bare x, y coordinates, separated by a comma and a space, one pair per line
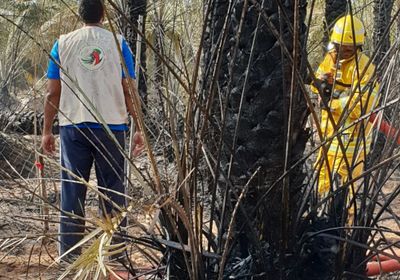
377, 268
39, 165
386, 128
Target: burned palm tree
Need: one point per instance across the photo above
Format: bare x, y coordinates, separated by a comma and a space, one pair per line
137, 9
381, 39
382, 18
334, 9
252, 68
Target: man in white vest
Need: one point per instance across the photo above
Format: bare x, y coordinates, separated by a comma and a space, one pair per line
89, 91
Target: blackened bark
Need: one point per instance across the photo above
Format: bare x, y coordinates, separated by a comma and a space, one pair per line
382, 18
334, 9
261, 131
138, 8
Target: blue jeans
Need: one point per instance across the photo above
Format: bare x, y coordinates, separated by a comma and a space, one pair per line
79, 149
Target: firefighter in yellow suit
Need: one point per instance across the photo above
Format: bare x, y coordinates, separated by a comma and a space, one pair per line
348, 89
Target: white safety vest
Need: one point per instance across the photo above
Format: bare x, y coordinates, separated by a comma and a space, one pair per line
91, 89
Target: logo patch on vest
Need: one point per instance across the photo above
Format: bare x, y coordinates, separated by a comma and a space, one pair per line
91, 57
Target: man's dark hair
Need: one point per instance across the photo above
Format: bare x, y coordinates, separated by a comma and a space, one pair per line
91, 11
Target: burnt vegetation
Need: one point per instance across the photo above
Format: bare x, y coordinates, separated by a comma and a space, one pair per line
226, 188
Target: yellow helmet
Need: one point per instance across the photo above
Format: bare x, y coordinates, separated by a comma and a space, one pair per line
343, 33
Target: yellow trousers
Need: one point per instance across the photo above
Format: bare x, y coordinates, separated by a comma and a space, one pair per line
337, 165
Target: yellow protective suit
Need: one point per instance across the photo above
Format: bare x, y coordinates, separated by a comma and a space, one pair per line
352, 100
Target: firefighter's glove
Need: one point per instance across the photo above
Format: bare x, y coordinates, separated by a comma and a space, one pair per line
325, 91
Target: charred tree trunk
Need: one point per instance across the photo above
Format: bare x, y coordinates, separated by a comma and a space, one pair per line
334, 9
382, 18
253, 77
138, 8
